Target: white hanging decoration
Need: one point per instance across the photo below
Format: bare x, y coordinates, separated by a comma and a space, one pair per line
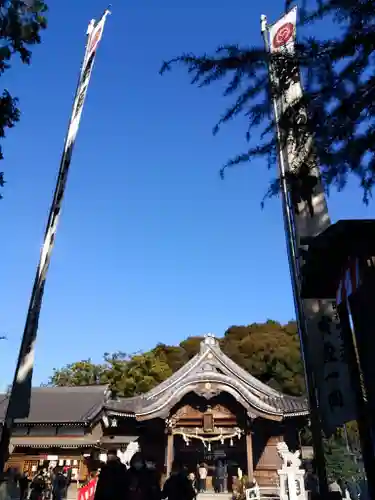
209, 446
186, 439
219, 435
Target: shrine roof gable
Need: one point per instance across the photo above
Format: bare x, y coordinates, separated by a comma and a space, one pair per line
212, 367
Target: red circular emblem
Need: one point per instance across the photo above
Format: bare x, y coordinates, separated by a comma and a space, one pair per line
283, 35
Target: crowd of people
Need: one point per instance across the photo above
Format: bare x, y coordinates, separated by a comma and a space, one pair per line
45, 485
221, 478
348, 490
141, 481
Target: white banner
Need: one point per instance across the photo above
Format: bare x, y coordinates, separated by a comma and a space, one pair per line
95, 32
331, 372
283, 32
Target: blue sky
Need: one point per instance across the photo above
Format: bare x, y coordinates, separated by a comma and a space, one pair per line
152, 245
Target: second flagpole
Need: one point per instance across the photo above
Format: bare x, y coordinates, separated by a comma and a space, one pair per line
316, 430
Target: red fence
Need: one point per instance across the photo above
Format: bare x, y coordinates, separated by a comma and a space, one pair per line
88, 491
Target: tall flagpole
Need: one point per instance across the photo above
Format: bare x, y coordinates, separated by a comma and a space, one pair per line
309, 218
20, 394
292, 250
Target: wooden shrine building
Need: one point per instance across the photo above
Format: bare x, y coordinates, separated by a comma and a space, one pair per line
208, 410
63, 426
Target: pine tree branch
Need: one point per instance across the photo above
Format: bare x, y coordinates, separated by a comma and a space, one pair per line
338, 76
20, 25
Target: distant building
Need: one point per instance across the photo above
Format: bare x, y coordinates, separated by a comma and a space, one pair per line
210, 409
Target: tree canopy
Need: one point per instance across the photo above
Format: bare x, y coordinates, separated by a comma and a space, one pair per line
269, 351
340, 461
342, 452
338, 75
21, 22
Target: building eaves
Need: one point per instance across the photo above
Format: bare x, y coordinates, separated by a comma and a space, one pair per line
62, 405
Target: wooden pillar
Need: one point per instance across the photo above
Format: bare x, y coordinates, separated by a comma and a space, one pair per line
170, 453
249, 453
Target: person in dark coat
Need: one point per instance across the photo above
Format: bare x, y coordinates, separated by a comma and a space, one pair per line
38, 486
23, 483
142, 483
219, 477
178, 486
58, 484
112, 482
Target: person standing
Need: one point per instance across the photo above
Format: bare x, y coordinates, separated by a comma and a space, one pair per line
193, 481
142, 483
202, 474
23, 483
38, 486
3, 488
8, 486
58, 484
219, 477
334, 487
225, 482
13, 486
178, 486
112, 482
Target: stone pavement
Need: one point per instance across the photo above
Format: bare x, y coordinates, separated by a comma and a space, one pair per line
72, 494
214, 496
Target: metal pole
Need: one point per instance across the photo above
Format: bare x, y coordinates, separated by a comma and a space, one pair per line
288, 216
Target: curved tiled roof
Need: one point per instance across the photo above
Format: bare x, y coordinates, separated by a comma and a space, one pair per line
212, 366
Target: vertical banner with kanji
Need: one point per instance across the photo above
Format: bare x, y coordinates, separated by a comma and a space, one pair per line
310, 217
19, 399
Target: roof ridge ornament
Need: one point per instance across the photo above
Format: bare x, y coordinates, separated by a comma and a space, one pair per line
209, 339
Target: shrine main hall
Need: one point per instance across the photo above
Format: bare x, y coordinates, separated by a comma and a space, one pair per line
209, 410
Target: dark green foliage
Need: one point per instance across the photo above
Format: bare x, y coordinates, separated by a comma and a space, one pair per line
339, 81
79, 373
269, 351
340, 461
341, 450
20, 25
